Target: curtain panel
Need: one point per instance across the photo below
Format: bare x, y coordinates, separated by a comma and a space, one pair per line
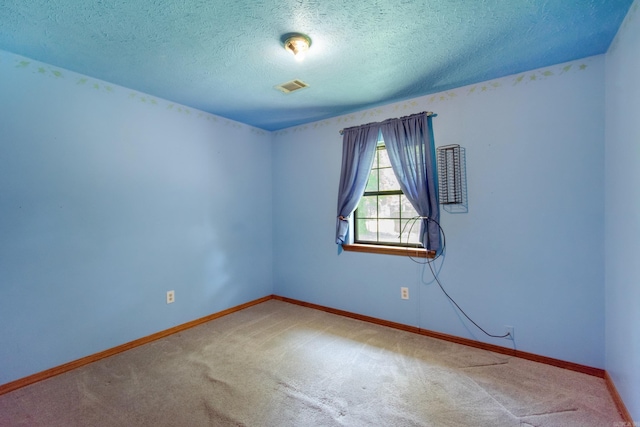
411, 150
358, 150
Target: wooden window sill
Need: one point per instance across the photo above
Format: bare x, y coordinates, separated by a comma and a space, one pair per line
390, 250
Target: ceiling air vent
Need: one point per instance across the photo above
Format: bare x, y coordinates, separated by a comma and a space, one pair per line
291, 86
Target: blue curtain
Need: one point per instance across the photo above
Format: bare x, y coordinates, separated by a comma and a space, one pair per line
358, 149
409, 142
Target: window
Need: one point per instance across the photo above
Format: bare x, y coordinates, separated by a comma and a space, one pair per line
384, 215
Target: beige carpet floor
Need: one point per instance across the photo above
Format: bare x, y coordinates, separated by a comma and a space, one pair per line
278, 364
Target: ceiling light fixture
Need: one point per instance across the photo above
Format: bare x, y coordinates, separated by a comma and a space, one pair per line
298, 44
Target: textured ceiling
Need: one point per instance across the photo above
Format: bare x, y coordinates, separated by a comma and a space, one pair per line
225, 57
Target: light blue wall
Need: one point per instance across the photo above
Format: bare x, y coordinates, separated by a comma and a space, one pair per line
529, 251
108, 199
622, 211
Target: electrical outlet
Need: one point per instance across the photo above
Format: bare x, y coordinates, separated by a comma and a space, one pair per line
404, 293
171, 297
509, 330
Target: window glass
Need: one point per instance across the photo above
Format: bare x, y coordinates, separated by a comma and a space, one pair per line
389, 230
367, 230
389, 206
388, 180
372, 183
368, 207
385, 215
383, 158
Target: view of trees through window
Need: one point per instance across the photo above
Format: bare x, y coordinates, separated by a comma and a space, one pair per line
384, 214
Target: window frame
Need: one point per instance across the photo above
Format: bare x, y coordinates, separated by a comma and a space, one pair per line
387, 248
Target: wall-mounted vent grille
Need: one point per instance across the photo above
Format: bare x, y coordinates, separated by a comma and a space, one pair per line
450, 174
291, 86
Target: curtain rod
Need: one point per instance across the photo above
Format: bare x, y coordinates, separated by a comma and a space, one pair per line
428, 113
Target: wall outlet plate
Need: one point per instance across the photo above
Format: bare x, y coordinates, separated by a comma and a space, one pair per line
171, 297
509, 330
404, 293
